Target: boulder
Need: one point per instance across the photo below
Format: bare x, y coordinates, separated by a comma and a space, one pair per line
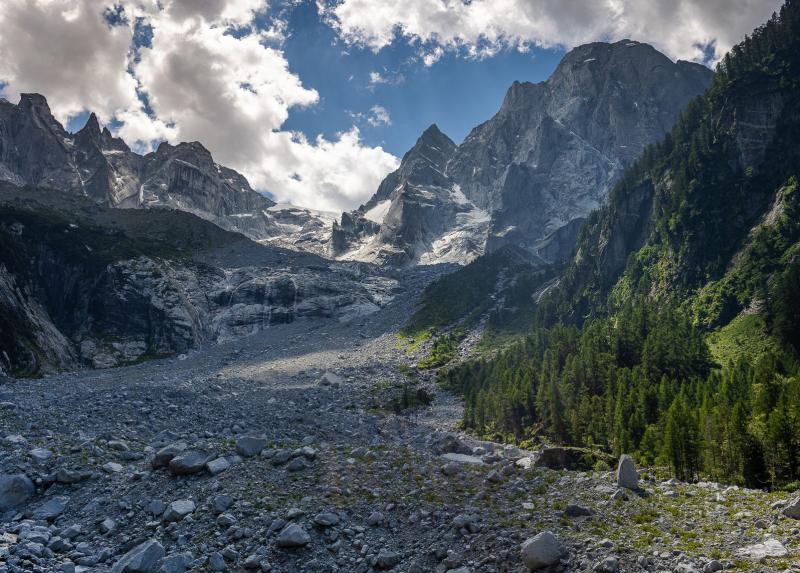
330, 379
451, 444
293, 536
542, 550
176, 563
250, 446
387, 559
569, 458
143, 558
15, 490
51, 509
326, 519
768, 548
296, 465
188, 463
575, 510
627, 476
793, 509
217, 466
41, 455
163, 456
463, 459
177, 510
607, 565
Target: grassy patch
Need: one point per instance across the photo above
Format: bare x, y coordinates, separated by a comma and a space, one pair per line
443, 350
500, 283
745, 336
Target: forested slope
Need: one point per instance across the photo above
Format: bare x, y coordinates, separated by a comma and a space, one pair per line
674, 331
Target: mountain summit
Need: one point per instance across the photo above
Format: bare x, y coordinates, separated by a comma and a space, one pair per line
546, 159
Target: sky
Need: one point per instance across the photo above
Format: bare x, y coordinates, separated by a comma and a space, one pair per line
315, 102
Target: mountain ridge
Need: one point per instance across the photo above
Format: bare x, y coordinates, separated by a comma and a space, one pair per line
36, 150
548, 157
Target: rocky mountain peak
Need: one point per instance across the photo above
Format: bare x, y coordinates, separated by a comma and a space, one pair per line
34, 107
544, 161
92, 125
432, 139
519, 95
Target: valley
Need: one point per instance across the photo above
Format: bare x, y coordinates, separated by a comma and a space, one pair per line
299, 463
569, 342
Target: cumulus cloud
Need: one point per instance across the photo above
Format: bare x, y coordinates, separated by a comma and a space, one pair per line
66, 49
682, 28
343, 171
206, 74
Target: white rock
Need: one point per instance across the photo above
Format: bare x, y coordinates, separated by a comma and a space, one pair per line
627, 476
769, 548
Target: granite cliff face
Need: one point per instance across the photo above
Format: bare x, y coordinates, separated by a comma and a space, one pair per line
82, 284
418, 214
36, 150
545, 160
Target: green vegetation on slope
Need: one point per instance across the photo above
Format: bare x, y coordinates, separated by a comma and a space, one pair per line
498, 284
703, 229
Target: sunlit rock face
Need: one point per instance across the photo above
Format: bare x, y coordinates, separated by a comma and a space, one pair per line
547, 159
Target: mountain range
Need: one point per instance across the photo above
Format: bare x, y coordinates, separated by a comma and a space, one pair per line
36, 150
527, 178
529, 175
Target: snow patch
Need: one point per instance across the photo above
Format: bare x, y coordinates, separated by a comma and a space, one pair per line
378, 213
457, 195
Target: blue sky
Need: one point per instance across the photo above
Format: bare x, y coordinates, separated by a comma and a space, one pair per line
456, 93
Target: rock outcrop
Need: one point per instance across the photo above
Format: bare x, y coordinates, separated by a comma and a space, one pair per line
529, 174
81, 284
36, 150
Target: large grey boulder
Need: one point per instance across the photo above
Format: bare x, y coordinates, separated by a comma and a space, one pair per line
387, 559
217, 466
143, 558
177, 510
249, 446
163, 456
188, 463
542, 550
293, 536
176, 563
793, 509
15, 490
51, 509
627, 476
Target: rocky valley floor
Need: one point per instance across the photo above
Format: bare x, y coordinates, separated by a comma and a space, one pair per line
281, 452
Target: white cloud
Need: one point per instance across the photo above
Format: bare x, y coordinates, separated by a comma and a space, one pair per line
232, 92
376, 78
66, 50
324, 174
481, 27
379, 115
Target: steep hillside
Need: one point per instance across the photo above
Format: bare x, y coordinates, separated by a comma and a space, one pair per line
701, 235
